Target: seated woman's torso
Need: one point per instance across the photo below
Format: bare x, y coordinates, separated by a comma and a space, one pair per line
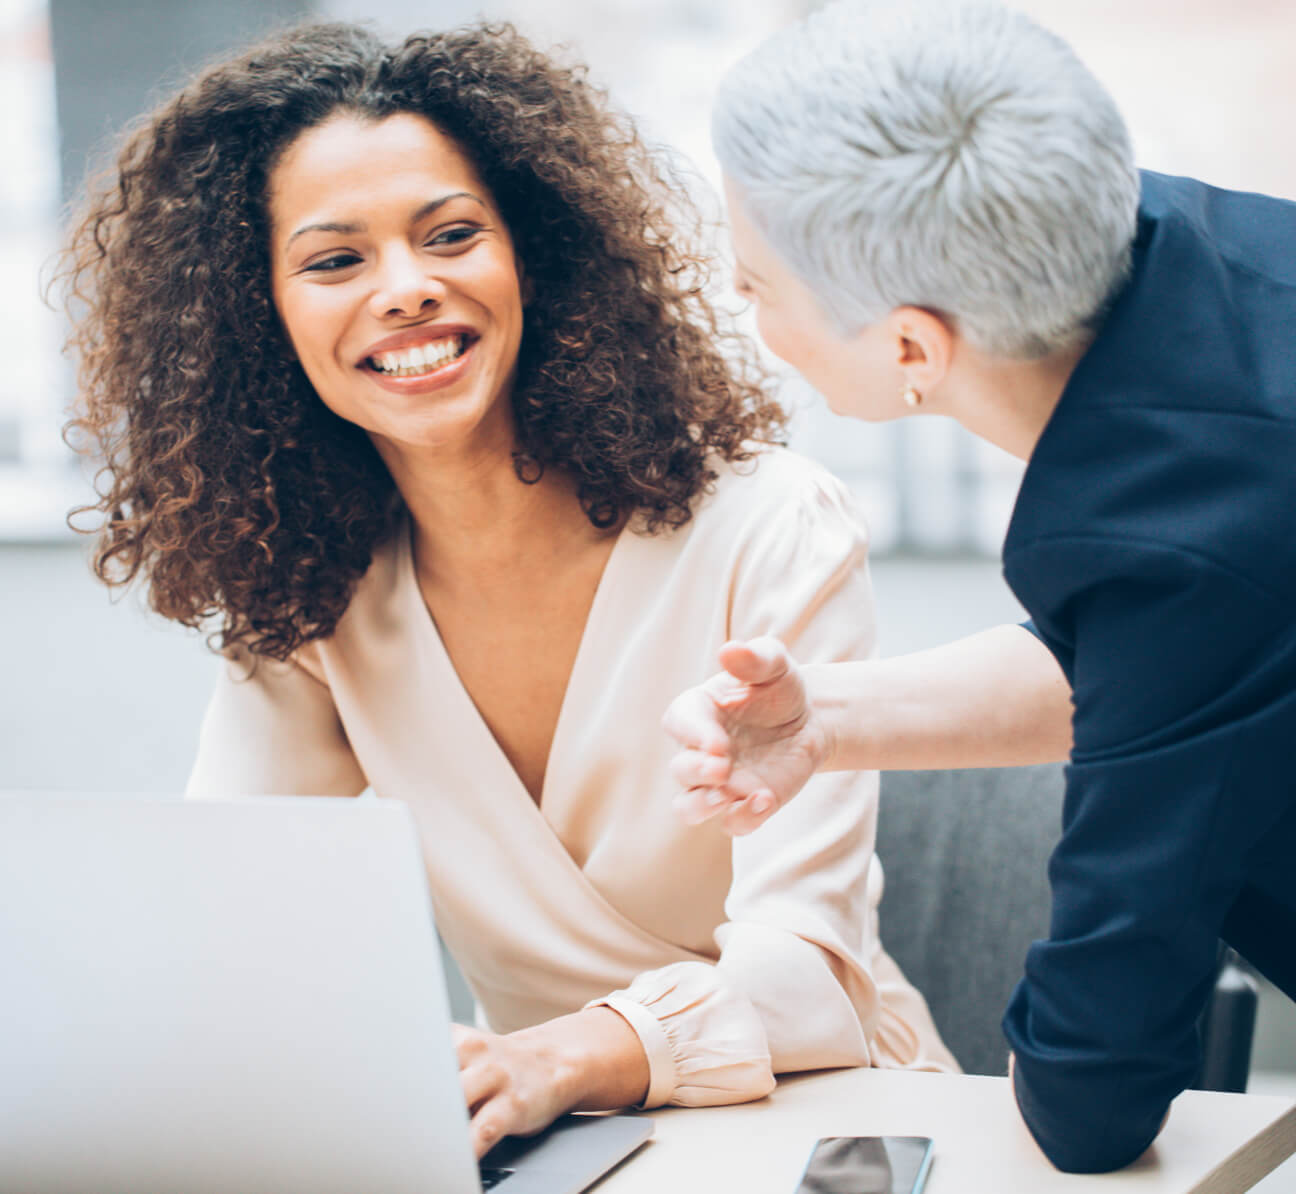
512, 630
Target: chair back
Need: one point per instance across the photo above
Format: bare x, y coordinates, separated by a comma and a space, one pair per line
965, 854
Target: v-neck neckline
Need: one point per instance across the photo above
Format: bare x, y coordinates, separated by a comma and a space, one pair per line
490, 744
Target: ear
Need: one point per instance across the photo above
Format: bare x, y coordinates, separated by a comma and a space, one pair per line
923, 343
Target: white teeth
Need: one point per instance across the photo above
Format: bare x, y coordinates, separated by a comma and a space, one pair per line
422, 358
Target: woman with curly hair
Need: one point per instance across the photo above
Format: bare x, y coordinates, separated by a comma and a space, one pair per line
407, 392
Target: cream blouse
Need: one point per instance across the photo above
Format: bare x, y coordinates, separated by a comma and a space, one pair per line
733, 960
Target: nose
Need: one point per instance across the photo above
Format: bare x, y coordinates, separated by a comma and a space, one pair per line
405, 284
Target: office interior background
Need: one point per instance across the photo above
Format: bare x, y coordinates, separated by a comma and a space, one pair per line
100, 695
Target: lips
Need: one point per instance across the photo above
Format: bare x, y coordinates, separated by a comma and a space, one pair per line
432, 363
419, 349
419, 359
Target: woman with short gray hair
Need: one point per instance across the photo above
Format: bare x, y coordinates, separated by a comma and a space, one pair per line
936, 210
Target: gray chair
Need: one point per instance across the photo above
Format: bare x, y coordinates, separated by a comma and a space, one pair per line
966, 856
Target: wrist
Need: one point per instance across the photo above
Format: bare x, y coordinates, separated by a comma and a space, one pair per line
559, 1047
594, 1058
822, 731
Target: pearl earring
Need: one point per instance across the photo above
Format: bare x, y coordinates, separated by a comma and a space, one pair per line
911, 396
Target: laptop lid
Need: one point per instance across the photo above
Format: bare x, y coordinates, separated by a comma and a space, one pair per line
216, 996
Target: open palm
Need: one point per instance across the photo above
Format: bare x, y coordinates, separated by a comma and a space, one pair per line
748, 737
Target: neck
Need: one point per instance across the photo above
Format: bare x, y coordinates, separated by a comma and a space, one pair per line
1007, 401
471, 514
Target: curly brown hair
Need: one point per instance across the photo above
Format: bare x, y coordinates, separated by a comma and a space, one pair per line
242, 499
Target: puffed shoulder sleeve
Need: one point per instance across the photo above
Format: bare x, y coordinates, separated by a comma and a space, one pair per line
1184, 683
272, 729
793, 987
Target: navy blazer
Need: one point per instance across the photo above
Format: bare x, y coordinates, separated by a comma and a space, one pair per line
1154, 545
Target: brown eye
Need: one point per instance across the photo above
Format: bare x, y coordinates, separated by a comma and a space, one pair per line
452, 237
331, 264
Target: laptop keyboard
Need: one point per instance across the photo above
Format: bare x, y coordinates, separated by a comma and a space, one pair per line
490, 1178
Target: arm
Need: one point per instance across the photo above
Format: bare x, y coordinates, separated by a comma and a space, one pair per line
993, 699
752, 735
800, 932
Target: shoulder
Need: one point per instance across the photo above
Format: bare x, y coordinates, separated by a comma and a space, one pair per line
1173, 438
794, 551
778, 493
774, 531
1254, 232
789, 530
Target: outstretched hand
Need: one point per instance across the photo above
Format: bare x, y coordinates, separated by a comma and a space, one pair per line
748, 737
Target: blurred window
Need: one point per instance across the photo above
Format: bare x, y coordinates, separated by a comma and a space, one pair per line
37, 480
1206, 90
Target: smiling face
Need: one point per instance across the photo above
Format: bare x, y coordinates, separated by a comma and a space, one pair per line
395, 279
859, 375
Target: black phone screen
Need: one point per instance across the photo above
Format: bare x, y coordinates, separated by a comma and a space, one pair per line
867, 1165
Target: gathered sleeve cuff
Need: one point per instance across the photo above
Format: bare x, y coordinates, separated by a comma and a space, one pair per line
704, 1041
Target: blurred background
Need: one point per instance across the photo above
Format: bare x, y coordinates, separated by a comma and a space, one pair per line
100, 696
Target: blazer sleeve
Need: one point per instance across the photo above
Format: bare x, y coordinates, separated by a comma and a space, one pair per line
1182, 684
272, 729
794, 987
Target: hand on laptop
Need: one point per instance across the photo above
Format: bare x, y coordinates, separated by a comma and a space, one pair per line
749, 739
518, 1084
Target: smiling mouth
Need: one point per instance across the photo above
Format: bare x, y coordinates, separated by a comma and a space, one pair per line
419, 360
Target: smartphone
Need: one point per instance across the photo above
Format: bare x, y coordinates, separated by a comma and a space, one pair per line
867, 1165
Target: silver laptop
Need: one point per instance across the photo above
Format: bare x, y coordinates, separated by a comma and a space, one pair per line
244, 995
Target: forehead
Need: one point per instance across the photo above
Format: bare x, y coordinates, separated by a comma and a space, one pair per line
350, 164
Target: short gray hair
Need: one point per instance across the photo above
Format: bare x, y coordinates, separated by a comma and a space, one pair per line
945, 154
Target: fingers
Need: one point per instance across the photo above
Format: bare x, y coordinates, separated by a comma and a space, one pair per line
701, 804
492, 1123
740, 790
481, 1076
742, 816
495, 1105
482, 1080
469, 1043
741, 812
509, 1090
503, 1104
698, 769
485, 1085
757, 661
693, 721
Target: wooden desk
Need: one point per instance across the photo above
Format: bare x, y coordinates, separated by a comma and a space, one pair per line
1213, 1143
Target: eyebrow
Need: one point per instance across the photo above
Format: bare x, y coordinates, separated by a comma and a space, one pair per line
347, 229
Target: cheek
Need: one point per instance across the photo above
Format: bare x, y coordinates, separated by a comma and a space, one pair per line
777, 336
309, 325
791, 341
510, 292
507, 305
